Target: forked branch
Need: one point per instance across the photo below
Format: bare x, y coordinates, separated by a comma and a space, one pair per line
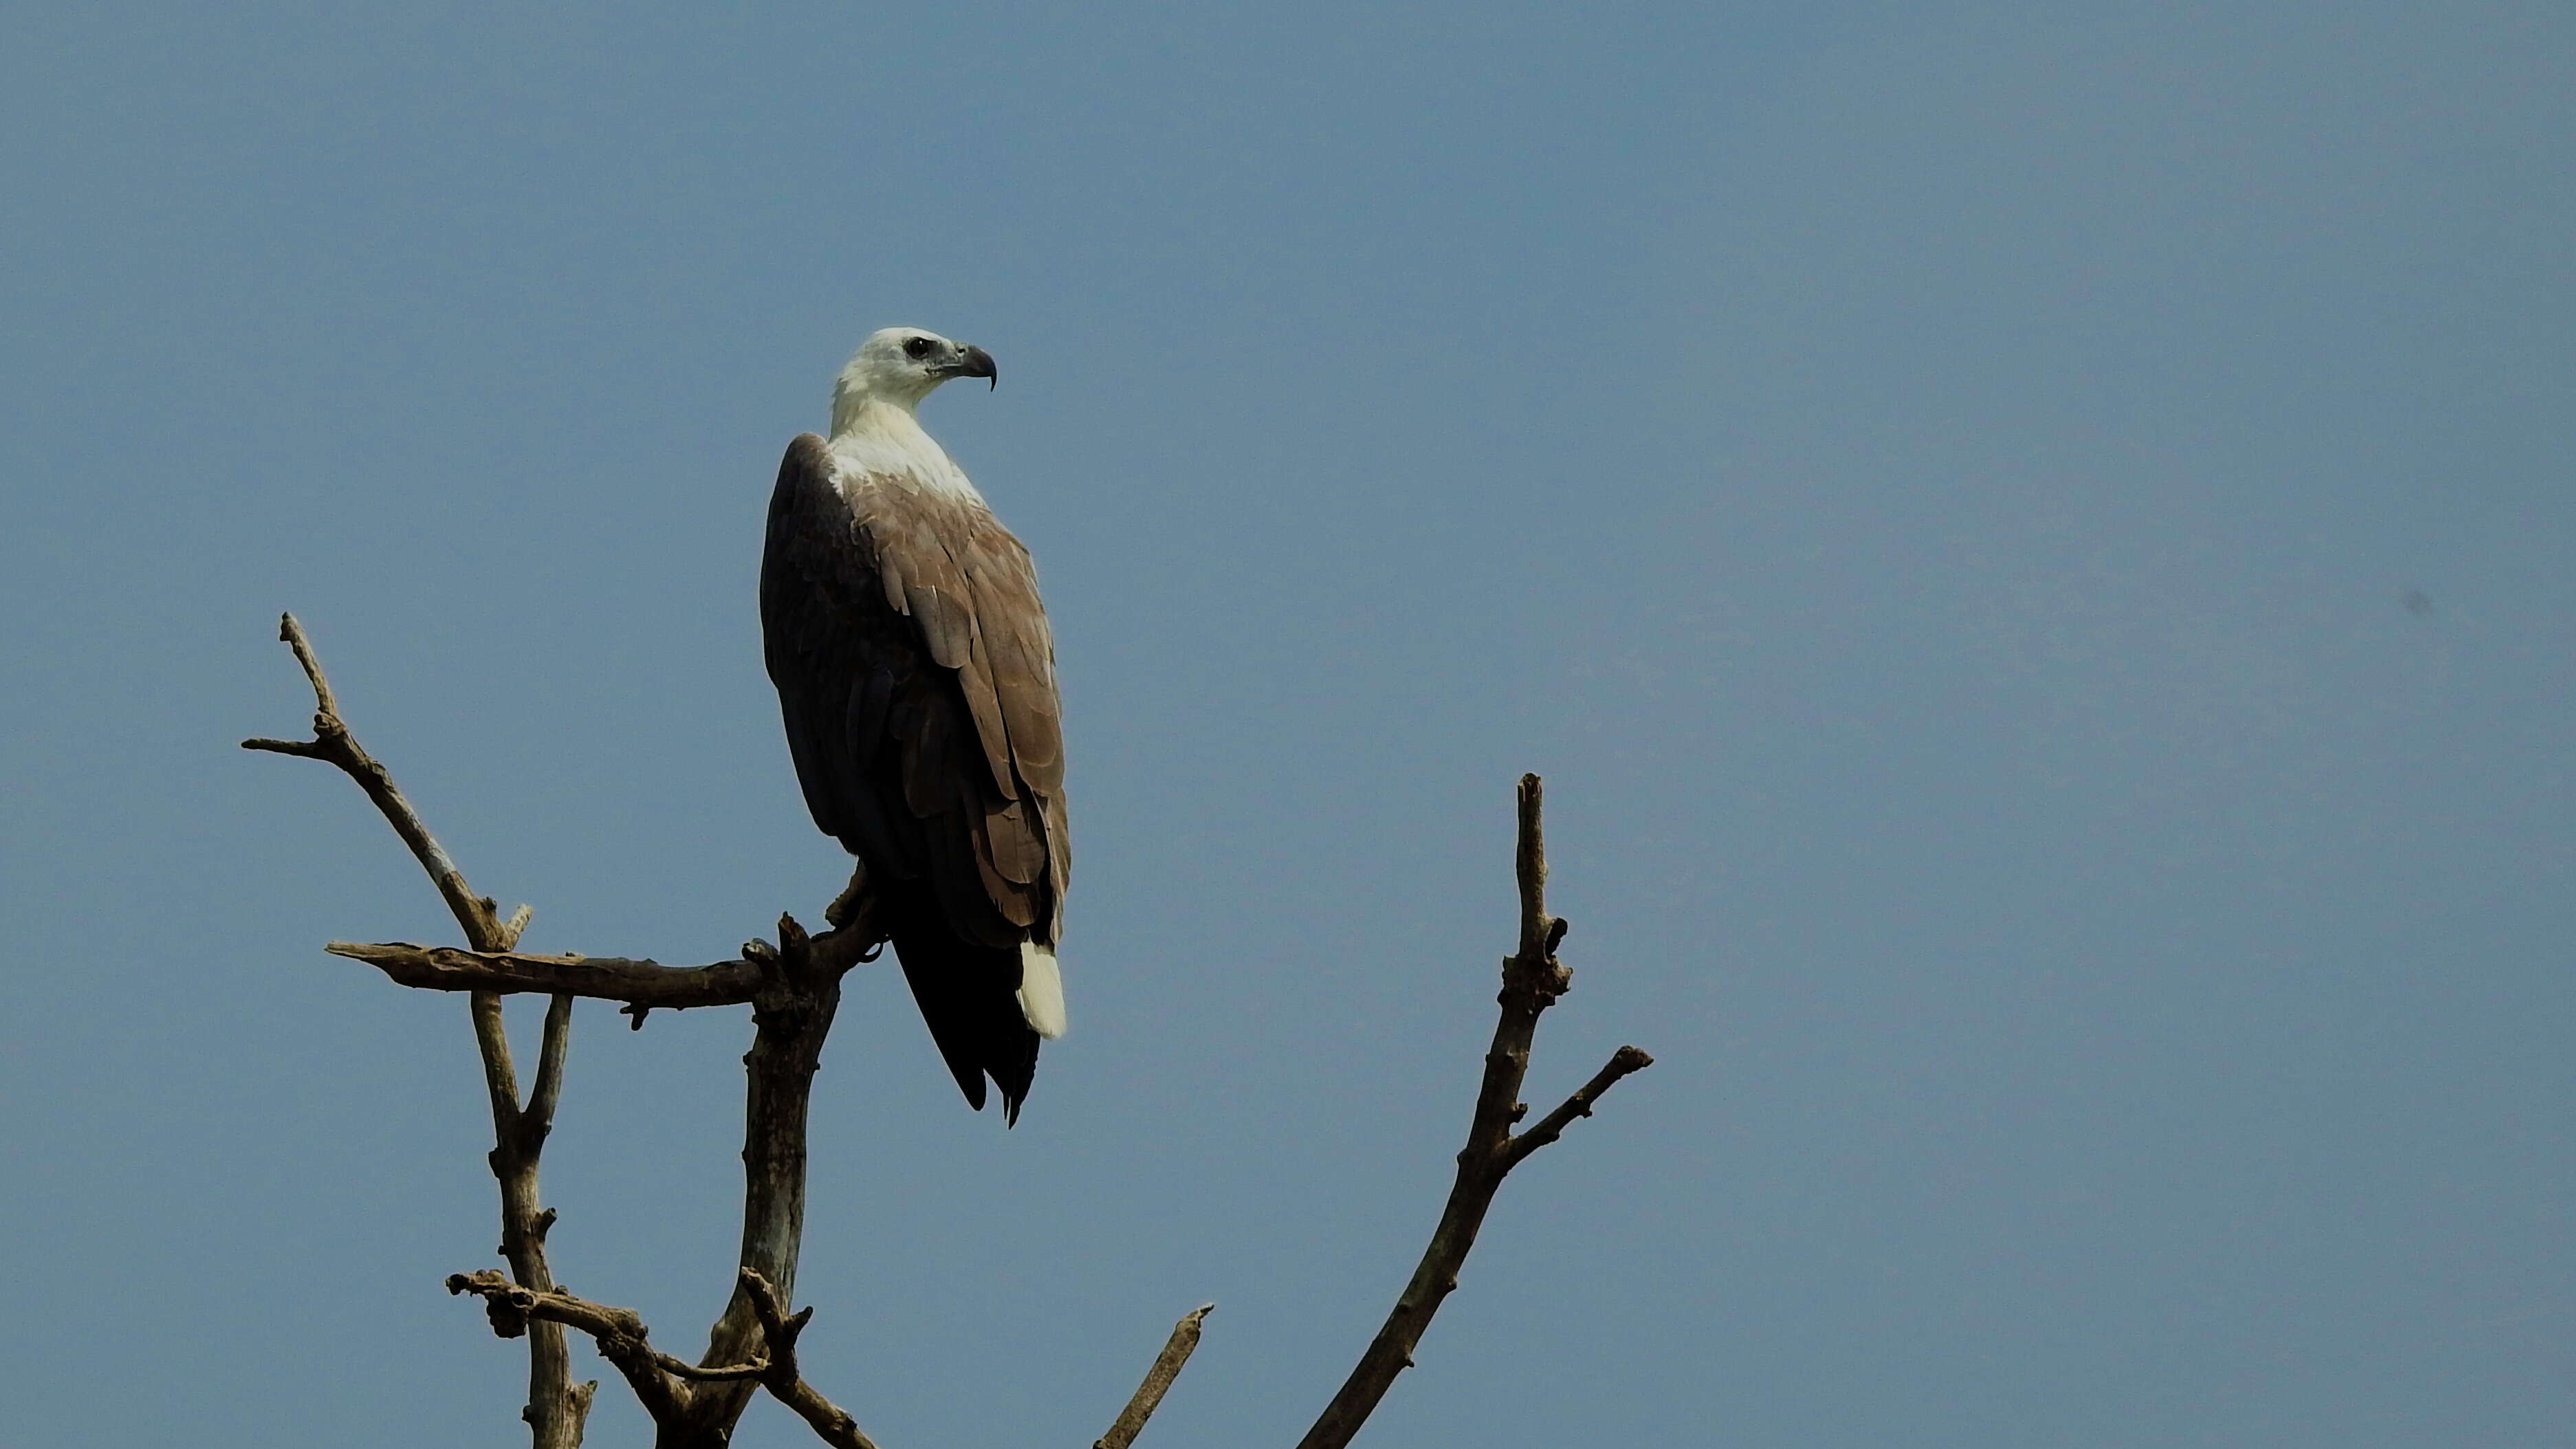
661, 1382
557, 1407
334, 745
1532, 981
829, 1423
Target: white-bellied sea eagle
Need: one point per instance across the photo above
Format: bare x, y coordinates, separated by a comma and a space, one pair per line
914, 667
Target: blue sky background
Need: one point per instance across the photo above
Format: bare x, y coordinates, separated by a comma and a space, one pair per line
1936, 489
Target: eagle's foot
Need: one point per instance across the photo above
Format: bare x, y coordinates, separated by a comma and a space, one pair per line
852, 902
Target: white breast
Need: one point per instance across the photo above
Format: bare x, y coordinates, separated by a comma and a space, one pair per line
886, 442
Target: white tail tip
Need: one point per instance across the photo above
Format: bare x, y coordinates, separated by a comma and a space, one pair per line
1041, 991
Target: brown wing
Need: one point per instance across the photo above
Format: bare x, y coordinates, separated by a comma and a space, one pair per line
917, 675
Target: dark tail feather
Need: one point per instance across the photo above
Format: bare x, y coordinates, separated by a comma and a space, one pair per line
968, 995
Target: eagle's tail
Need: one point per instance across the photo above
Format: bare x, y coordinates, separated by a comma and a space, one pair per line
970, 995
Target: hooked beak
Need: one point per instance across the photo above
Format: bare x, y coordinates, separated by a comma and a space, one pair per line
973, 361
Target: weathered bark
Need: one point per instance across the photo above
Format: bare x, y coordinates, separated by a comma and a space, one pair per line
603, 978
557, 1407
791, 1017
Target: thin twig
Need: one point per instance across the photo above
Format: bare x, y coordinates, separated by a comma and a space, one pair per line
1625, 1060
557, 1408
1158, 1380
1532, 981
333, 744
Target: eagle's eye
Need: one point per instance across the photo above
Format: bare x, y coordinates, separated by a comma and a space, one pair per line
916, 348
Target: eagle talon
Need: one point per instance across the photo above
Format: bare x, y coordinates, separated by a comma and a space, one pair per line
852, 902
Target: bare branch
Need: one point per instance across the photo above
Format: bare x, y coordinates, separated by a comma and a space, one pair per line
518, 1139
500, 1077
791, 1016
683, 1369
557, 1409
639, 983
828, 1421
1158, 1380
563, 1427
553, 1044
333, 743
1625, 1060
291, 634
619, 1332
301, 749
794, 990
603, 978
1532, 981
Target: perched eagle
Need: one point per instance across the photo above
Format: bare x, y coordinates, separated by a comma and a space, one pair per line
902, 627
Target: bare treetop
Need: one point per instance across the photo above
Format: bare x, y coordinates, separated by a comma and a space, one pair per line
793, 989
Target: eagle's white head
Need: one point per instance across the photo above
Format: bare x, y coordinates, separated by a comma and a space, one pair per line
898, 366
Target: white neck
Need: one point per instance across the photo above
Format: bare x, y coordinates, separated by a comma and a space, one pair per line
854, 409
878, 437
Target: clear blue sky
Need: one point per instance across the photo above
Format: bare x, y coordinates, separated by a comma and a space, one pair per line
1936, 489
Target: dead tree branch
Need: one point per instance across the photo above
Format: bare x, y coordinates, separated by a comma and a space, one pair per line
780, 1332
557, 1407
1623, 1061
661, 1382
334, 745
794, 990
665, 1385
1158, 1380
604, 978
790, 1016
1532, 981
